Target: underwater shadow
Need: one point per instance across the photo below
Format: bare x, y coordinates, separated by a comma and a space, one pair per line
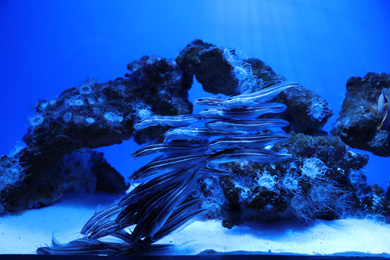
275, 230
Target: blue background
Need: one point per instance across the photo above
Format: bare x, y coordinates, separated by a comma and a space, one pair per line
48, 46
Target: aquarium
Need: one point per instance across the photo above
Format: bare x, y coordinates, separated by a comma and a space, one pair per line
197, 128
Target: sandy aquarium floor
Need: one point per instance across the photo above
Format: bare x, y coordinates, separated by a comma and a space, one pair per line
22, 233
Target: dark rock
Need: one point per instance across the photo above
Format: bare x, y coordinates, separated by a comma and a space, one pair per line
222, 71
84, 170
356, 124
227, 224
93, 115
264, 73
210, 66
100, 114
306, 111
388, 194
107, 178
87, 171
322, 180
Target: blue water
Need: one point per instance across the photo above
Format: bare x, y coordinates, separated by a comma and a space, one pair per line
49, 46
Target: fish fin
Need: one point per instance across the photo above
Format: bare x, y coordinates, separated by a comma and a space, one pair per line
385, 117
372, 109
55, 242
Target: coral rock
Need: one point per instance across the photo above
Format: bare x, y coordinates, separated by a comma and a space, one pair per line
211, 68
356, 124
94, 115
322, 180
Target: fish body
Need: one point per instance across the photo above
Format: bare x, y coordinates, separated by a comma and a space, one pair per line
175, 121
247, 142
259, 96
142, 191
105, 229
243, 112
187, 133
253, 112
139, 202
134, 213
210, 101
160, 166
179, 216
161, 203
99, 217
256, 155
168, 148
246, 126
83, 246
383, 111
215, 172
163, 206
193, 133
212, 113
174, 200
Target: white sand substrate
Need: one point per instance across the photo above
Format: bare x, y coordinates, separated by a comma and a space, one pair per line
22, 233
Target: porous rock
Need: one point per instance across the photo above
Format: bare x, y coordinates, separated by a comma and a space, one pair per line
322, 180
210, 67
356, 124
100, 114
84, 170
217, 70
93, 115
306, 111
